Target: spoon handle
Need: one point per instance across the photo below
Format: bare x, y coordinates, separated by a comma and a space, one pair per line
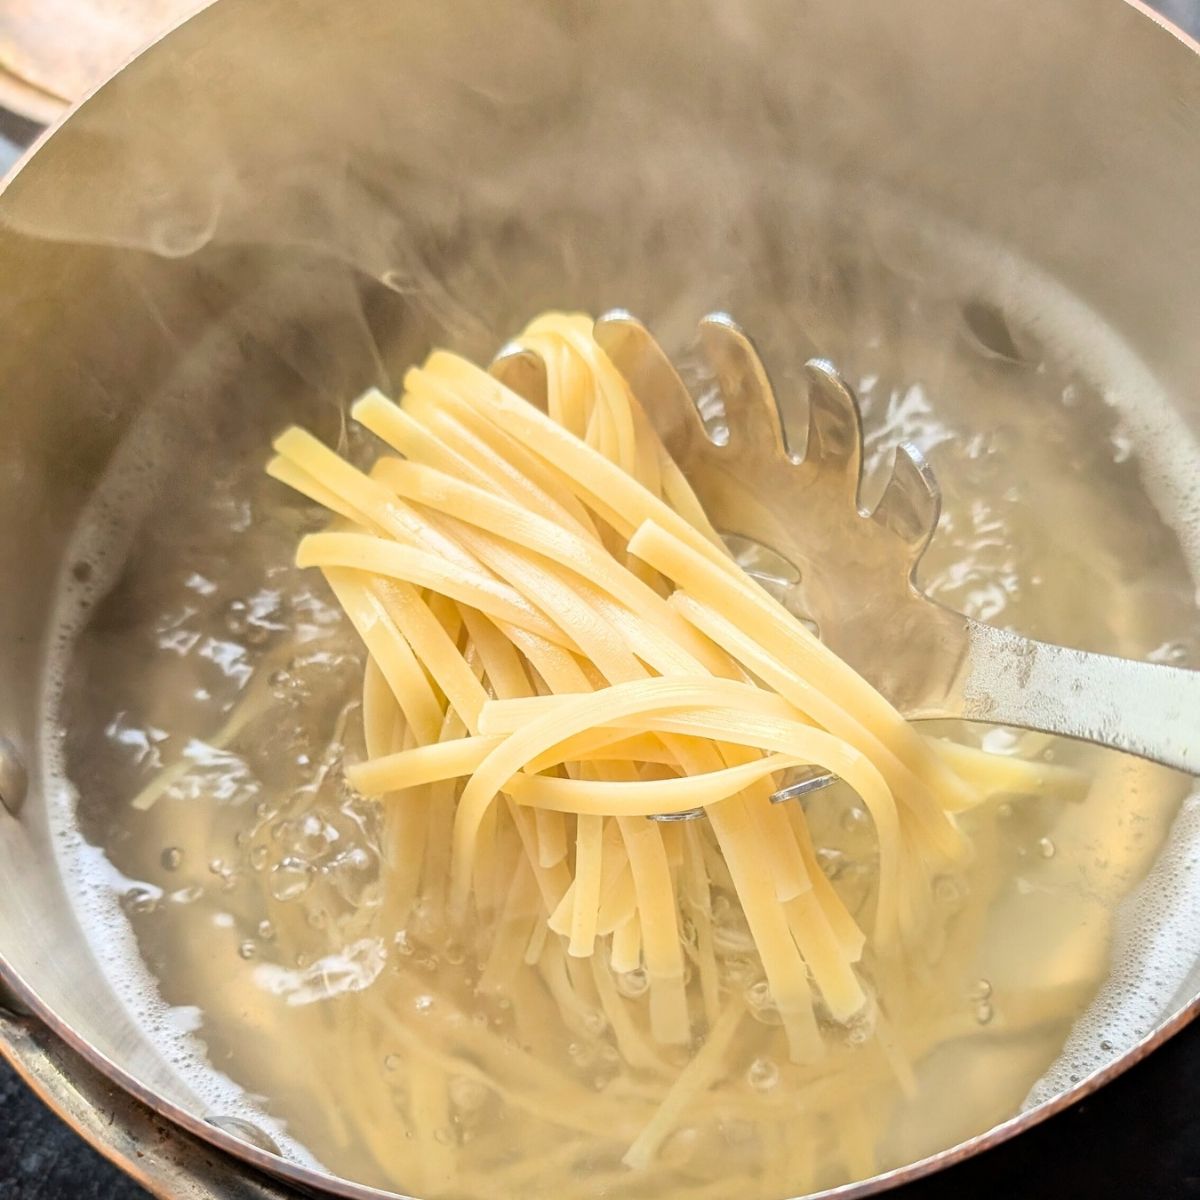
1143, 708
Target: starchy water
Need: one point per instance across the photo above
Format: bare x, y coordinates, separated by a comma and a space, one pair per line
202, 700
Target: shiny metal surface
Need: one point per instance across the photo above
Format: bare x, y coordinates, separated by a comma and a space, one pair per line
14, 780
292, 197
928, 660
163, 1160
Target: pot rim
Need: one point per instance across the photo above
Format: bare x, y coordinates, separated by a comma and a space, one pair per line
27, 999
307, 1177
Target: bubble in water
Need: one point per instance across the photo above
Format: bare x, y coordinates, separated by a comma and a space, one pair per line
353, 878
981, 989
854, 819
731, 938
1174, 653
423, 1003
687, 932
762, 1003
984, 1012
245, 1131
236, 619
762, 1074
1045, 847
141, 900
859, 1033
392, 1062
594, 1022
282, 682
307, 836
266, 931
247, 949
402, 943
678, 1149
258, 857
290, 879
581, 1055
739, 968
990, 333
454, 954
466, 1094
172, 858
633, 984
832, 862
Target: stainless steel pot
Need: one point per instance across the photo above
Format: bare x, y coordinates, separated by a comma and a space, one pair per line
274, 191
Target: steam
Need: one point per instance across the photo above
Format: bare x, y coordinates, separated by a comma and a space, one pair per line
453, 189
287, 231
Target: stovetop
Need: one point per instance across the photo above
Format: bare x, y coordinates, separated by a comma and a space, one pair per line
1138, 1137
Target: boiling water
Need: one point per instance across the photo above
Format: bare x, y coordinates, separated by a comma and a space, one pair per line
240, 905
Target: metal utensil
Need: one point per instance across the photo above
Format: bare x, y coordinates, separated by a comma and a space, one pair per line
857, 570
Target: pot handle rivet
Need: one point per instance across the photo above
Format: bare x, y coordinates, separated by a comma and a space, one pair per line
14, 781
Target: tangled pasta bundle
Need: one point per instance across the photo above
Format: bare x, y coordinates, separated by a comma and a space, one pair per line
560, 646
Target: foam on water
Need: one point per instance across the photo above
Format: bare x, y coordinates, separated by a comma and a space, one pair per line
1156, 946
95, 558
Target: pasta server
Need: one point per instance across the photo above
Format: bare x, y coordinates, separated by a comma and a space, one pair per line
856, 571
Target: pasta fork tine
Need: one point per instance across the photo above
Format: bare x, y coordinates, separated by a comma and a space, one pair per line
751, 411
521, 371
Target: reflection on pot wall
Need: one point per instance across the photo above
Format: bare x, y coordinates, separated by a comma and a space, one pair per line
455, 284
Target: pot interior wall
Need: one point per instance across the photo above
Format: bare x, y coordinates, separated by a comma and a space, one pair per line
284, 202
